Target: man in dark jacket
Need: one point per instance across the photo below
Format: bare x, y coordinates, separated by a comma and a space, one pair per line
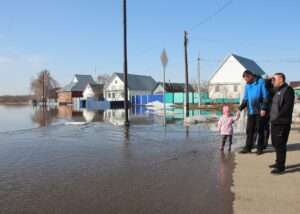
270, 88
281, 120
256, 99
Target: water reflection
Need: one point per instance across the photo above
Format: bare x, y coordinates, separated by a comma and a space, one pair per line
44, 116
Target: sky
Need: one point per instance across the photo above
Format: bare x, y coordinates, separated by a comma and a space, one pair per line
85, 36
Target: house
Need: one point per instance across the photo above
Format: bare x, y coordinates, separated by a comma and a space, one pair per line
227, 82
94, 91
74, 89
137, 85
171, 88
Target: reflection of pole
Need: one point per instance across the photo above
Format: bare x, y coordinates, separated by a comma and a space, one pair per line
44, 116
187, 104
125, 63
43, 99
199, 83
126, 135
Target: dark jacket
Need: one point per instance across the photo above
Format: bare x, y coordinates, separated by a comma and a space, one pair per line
270, 88
282, 105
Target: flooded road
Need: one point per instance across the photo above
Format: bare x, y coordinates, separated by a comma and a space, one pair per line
100, 168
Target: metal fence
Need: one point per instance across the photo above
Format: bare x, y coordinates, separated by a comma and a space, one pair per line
179, 98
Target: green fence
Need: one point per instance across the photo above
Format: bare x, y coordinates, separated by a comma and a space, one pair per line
179, 98
169, 98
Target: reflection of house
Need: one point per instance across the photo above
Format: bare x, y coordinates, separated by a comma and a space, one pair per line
227, 81
171, 88
94, 91
74, 89
68, 113
137, 85
115, 116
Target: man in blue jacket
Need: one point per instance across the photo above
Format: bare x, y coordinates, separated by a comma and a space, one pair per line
256, 99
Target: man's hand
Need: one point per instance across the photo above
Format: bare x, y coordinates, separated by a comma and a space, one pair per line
263, 113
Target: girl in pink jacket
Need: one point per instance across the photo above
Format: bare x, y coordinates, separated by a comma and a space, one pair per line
225, 126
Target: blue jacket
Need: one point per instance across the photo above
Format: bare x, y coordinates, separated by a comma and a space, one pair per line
256, 97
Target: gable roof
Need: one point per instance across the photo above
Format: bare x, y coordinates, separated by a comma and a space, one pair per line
96, 87
79, 83
246, 63
137, 82
249, 65
175, 87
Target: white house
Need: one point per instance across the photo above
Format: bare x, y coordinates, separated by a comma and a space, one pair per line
227, 81
94, 91
137, 85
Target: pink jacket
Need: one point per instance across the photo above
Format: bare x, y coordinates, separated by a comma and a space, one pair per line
225, 125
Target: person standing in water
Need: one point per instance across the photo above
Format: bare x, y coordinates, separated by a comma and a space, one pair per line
225, 126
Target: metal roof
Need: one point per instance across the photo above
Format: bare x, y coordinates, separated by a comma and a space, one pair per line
97, 87
138, 82
175, 87
249, 65
80, 84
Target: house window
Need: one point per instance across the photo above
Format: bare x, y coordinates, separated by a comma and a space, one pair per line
217, 89
116, 81
108, 94
113, 95
235, 88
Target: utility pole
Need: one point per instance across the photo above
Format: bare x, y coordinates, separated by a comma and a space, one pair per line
199, 81
125, 63
187, 104
164, 62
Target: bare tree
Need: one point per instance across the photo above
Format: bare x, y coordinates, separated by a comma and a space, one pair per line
43, 85
103, 78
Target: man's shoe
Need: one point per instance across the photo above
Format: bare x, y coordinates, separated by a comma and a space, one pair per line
278, 171
259, 152
245, 151
273, 166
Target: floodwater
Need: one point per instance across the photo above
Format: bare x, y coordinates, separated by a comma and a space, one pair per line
49, 167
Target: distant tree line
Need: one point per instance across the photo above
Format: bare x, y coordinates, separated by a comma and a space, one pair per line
22, 99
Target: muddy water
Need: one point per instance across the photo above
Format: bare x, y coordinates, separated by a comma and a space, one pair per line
100, 168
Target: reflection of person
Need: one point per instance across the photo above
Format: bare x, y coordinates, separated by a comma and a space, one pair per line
224, 170
256, 99
281, 119
225, 126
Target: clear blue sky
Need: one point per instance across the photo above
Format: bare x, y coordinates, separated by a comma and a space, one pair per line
75, 36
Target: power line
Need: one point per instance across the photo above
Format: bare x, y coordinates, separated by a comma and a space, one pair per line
213, 15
